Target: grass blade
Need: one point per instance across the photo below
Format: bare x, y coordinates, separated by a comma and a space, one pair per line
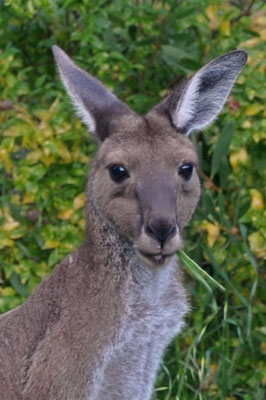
201, 275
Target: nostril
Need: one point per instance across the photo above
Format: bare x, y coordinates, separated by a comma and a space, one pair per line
160, 230
149, 230
172, 231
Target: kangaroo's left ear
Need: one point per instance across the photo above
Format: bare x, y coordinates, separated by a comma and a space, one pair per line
95, 104
202, 98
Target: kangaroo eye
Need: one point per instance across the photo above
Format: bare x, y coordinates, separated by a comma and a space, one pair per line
118, 173
186, 171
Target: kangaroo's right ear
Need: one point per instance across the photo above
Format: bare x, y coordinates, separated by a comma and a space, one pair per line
94, 103
198, 102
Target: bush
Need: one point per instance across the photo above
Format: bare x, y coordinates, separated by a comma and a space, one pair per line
140, 50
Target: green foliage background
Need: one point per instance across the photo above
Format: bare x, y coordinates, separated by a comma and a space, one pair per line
141, 50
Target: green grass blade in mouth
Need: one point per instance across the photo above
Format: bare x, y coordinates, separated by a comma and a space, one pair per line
199, 273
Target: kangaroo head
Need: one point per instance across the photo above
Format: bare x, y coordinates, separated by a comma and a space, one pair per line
144, 179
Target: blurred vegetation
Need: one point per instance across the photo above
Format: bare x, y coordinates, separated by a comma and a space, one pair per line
141, 50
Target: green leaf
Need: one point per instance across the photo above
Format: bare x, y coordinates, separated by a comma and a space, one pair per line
17, 285
222, 146
185, 11
176, 53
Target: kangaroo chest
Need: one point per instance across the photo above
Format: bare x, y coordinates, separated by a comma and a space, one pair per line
157, 309
155, 315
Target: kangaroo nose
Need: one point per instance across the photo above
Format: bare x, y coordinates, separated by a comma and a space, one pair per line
160, 230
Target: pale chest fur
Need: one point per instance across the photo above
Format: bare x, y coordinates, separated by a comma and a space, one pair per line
156, 309
158, 305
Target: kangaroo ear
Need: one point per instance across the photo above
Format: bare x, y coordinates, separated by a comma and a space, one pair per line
200, 100
94, 103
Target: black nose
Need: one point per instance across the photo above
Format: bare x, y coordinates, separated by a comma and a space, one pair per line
160, 230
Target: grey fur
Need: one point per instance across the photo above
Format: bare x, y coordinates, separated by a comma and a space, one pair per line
97, 328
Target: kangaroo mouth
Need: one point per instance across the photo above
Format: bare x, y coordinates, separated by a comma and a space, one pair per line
155, 259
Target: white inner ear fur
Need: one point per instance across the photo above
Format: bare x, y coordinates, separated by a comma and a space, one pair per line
79, 107
186, 106
197, 109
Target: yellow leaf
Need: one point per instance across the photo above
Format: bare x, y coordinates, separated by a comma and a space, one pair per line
258, 23
6, 242
79, 201
239, 157
34, 156
85, 159
43, 115
9, 222
46, 151
254, 109
8, 291
82, 223
29, 198
263, 34
257, 201
54, 106
23, 114
13, 131
10, 226
64, 152
257, 245
15, 199
50, 244
213, 232
62, 128
4, 157
16, 234
259, 136
66, 214
4, 212
263, 347
250, 43
247, 124
200, 18
225, 28
48, 159
69, 246
78, 156
46, 131
9, 145
211, 12
76, 153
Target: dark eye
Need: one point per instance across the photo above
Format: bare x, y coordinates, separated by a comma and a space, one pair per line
186, 171
118, 173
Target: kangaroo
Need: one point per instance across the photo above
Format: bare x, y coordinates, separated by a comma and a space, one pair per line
97, 328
